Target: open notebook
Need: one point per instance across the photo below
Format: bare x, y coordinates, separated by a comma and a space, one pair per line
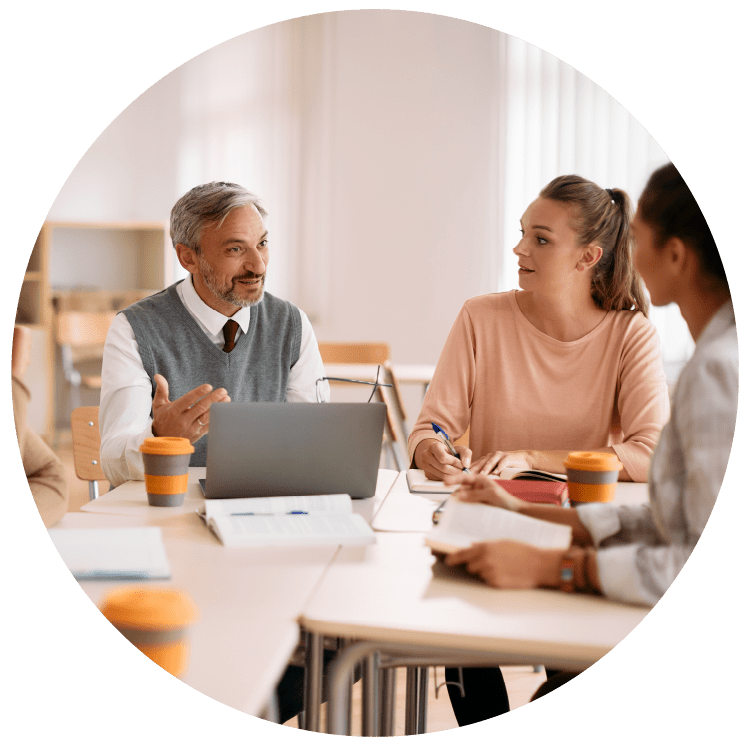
305, 520
419, 484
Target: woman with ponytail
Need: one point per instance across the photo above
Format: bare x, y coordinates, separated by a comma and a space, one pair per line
569, 362
633, 553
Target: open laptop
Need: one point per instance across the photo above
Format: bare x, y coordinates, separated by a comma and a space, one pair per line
267, 449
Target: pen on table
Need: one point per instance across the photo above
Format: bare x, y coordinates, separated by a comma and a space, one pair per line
436, 513
442, 434
290, 512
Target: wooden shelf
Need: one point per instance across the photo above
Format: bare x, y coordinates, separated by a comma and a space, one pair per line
85, 266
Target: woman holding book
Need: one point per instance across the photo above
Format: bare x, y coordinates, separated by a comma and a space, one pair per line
633, 554
569, 362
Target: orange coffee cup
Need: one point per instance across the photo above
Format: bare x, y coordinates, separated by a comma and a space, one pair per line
592, 476
165, 466
155, 620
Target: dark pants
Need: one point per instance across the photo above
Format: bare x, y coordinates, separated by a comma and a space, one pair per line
485, 694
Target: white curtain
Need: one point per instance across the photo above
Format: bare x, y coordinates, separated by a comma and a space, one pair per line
237, 121
558, 121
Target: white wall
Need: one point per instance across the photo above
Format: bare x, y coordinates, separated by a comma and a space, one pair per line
375, 139
413, 178
390, 138
129, 172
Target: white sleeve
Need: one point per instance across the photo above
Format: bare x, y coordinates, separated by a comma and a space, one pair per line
308, 368
125, 404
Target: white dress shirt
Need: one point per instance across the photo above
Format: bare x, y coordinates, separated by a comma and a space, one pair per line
641, 549
125, 405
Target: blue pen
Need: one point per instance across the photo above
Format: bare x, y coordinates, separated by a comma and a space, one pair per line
439, 431
291, 512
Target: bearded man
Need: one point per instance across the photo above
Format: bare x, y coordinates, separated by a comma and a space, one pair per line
215, 336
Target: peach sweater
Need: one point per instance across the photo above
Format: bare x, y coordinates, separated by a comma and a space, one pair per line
520, 389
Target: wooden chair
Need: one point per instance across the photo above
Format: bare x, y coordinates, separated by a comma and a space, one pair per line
355, 353
84, 424
81, 335
376, 353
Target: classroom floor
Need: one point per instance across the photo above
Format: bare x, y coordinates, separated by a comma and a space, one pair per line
521, 681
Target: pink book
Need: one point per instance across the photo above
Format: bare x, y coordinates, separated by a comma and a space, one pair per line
554, 493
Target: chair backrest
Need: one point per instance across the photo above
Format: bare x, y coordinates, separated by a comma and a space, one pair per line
83, 328
84, 424
375, 353
362, 353
393, 435
390, 377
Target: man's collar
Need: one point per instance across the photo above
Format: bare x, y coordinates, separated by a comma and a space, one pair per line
211, 319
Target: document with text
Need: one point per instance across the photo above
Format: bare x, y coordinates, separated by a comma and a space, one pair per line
463, 524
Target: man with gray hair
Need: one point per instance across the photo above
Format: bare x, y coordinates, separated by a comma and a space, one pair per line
215, 336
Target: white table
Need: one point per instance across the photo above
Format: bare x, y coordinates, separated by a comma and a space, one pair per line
396, 596
248, 599
130, 500
402, 603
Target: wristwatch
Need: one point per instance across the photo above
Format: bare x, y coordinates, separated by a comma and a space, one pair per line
567, 575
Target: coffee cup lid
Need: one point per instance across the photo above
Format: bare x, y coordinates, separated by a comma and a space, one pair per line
593, 461
142, 607
166, 446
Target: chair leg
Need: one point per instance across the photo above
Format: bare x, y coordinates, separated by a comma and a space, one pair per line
93, 489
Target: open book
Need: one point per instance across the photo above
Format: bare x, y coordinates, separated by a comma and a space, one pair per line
308, 520
463, 524
419, 483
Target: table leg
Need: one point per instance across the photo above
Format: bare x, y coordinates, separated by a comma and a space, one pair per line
387, 701
412, 696
370, 695
422, 702
341, 644
313, 680
413, 657
271, 711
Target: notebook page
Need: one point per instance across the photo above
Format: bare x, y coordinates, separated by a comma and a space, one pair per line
285, 504
465, 523
279, 529
93, 553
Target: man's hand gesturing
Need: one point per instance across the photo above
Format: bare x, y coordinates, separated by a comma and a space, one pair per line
188, 416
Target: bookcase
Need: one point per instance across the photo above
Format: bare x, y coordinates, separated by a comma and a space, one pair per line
82, 266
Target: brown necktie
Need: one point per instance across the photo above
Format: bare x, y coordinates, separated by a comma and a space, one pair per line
230, 332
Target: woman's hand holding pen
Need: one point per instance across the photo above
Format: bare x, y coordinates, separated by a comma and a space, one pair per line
476, 488
434, 458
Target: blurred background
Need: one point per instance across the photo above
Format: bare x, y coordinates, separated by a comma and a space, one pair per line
395, 152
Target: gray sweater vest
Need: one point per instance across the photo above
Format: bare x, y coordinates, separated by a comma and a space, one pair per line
171, 342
